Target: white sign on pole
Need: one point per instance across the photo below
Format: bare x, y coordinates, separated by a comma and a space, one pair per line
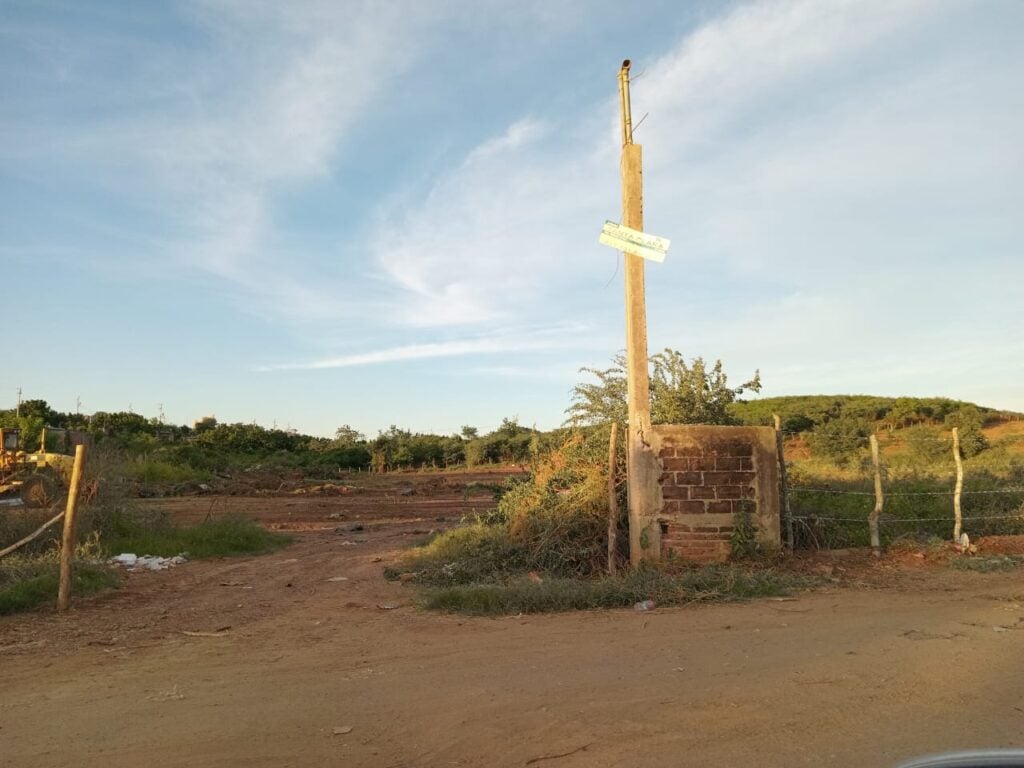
633, 241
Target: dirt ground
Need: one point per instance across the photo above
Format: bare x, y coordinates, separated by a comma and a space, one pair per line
308, 657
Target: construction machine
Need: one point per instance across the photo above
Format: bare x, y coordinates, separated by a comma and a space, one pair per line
38, 478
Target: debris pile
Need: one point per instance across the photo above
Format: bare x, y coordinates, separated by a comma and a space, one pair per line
134, 562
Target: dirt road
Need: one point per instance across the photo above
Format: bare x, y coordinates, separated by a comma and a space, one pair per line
258, 661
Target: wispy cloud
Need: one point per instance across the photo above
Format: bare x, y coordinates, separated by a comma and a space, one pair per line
540, 340
827, 154
212, 139
511, 229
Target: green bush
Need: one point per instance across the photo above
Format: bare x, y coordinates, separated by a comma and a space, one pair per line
555, 521
151, 470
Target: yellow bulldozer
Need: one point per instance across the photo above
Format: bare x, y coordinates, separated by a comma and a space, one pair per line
38, 478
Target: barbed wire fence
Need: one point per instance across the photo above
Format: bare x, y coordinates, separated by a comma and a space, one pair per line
844, 513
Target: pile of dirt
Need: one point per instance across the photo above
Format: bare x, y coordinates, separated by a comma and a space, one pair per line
1001, 545
326, 489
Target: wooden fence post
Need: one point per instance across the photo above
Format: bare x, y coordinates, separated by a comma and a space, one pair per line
957, 515
876, 543
67, 541
613, 501
787, 516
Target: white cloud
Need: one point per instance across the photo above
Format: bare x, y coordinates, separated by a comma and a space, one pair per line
507, 231
858, 160
524, 341
204, 141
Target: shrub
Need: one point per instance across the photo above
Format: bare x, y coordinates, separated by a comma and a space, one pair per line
555, 521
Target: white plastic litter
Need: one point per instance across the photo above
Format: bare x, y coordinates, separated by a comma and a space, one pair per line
134, 562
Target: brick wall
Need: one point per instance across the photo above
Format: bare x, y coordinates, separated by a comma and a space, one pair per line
709, 476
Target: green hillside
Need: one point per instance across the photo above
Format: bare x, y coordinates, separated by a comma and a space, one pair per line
803, 412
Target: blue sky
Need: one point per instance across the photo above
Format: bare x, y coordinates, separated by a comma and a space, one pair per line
315, 213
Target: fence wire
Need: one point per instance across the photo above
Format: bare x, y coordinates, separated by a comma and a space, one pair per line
894, 494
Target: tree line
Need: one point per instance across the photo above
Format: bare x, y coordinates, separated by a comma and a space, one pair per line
212, 445
681, 392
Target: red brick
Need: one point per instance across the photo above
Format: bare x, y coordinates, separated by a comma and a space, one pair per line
743, 449
749, 492
701, 465
726, 464
746, 465
728, 478
702, 492
689, 478
690, 450
728, 491
675, 492
675, 465
667, 452
670, 507
676, 529
692, 507
719, 507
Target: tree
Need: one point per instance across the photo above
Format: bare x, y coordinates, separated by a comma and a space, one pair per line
205, 424
679, 393
39, 409
904, 411
925, 444
839, 439
346, 435
968, 420
469, 433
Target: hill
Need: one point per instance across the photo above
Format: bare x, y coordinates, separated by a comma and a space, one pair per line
800, 413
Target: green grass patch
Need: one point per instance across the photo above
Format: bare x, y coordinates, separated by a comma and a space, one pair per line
986, 563
473, 553
522, 595
213, 538
150, 470
27, 583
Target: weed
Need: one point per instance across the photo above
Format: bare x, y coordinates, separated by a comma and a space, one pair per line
147, 469
986, 563
28, 582
473, 553
743, 541
554, 521
523, 595
225, 536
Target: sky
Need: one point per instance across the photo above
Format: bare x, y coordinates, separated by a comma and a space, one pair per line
314, 213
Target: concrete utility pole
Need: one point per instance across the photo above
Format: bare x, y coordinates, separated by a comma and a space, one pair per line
644, 533
17, 411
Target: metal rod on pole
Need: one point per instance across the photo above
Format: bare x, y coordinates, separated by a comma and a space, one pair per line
627, 114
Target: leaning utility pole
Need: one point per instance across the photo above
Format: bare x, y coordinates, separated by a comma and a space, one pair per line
644, 533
